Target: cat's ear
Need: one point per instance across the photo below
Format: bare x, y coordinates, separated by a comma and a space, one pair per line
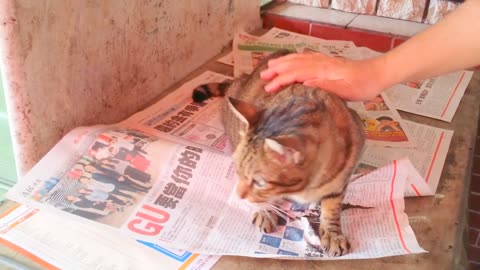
285, 149
246, 112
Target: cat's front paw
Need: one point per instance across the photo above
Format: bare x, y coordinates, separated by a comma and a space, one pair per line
266, 221
334, 244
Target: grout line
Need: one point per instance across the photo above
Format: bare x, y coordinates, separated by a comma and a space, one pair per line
346, 26
377, 3
476, 241
425, 12
474, 262
392, 42
475, 229
473, 211
475, 193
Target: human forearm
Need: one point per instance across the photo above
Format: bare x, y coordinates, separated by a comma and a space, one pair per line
452, 44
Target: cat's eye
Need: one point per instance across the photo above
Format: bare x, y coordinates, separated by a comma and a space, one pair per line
259, 182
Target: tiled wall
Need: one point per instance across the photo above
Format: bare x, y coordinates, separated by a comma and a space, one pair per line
425, 11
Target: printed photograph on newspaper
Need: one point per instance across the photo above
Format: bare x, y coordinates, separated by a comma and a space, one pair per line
382, 124
104, 179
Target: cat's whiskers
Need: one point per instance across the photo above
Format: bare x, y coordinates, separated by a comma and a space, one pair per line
279, 211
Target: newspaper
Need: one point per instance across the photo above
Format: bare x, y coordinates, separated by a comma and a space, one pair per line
146, 179
437, 97
428, 157
57, 243
226, 59
178, 119
333, 48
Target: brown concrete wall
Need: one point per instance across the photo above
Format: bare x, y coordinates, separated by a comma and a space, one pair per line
68, 63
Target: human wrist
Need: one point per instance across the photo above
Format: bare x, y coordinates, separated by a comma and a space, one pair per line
373, 77
381, 74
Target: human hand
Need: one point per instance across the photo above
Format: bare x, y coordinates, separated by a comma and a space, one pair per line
349, 79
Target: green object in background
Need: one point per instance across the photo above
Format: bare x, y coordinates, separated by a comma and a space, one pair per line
264, 2
8, 173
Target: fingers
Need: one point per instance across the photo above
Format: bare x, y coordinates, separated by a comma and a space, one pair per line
277, 66
268, 74
289, 69
287, 78
287, 58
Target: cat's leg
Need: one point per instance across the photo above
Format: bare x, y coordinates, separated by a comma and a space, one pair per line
265, 220
332, 240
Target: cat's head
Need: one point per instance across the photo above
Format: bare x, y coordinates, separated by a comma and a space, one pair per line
269, 167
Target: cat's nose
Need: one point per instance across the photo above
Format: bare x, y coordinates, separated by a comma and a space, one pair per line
242, 190
242, 193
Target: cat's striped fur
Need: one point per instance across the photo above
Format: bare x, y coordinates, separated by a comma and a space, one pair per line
301, 143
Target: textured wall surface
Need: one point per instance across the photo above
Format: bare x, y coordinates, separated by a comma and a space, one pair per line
358, 6
69, 63
312, 3
411, 10
438, 9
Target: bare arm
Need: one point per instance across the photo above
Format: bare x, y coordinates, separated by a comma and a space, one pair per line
450, 45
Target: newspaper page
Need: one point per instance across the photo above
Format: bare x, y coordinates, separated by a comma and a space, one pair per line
428, 156
180, 194
226, 59
330, 47
437, 97
249, 50
335, 48
57, 243
178, 119
382, 124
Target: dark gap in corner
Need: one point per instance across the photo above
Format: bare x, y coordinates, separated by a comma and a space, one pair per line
377, 3
425, 11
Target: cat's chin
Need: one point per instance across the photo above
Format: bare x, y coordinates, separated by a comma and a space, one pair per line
299, 199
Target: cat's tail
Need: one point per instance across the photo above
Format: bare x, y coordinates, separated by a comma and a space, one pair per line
206, 91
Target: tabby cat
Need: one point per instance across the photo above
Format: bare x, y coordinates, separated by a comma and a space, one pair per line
300, 143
